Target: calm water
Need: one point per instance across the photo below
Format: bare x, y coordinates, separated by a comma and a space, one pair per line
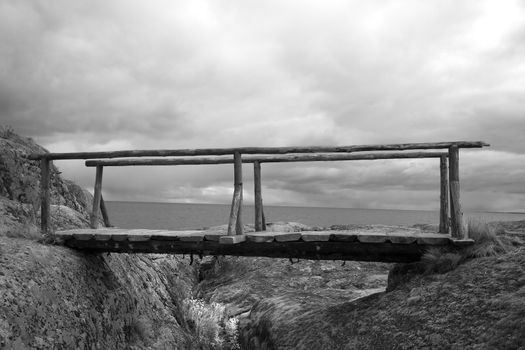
196, 216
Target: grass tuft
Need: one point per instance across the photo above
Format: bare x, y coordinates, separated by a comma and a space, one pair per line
441, 260
489, 241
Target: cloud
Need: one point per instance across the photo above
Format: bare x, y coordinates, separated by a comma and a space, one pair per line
175, 74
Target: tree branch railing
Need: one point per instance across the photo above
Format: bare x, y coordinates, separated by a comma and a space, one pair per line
257, 155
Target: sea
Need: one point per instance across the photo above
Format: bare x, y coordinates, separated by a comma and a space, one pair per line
178, 216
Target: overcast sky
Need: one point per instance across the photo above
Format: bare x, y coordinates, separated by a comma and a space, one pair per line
121, 74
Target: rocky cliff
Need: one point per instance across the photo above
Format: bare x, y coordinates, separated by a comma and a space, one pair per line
52, 297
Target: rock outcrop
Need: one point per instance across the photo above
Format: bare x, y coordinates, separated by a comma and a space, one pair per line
52, 297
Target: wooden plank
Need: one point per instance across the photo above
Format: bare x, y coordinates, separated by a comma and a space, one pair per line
433, 239
84, 236
372, 238
315, 236
102, 236
286, 236
343, 236
96, 196
232, 239
165, 235
138, 235
63, 235
258, 196
255, 150
45, 199
456, 214
193, 237
401, 238
213, 236
260, 237
462, 242
119, 237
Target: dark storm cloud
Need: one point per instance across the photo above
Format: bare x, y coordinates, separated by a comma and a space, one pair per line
173, 74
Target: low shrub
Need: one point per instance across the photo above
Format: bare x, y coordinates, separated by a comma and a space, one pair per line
213, 329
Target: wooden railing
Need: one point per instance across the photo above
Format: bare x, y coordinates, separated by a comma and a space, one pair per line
257, 155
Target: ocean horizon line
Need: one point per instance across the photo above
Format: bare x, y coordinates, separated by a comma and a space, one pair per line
314, 207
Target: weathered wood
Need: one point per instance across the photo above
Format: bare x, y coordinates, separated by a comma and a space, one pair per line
435, 239
443, 196
195, 237
315, 236
401, 238
96, 196
372, 238
263, 159
148, 241
258, 197
255, 150
260, 237
232, 239
213, 236
237, 179
456, 214
382, 252
343, 236
462, 242
236, 202
286, 236
45, 199
83, 236
104, 212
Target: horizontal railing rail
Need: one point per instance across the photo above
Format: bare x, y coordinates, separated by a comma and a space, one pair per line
255, 150
264, 159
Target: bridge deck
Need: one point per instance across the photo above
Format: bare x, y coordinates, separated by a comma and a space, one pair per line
373, 243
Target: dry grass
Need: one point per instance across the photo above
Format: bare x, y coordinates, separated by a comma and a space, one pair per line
212, 327
489, 241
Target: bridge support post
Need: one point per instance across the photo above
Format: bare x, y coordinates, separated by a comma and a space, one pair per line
260, 225
104, 212
235, 226
97, 195
444, 211
45, 200
456, 215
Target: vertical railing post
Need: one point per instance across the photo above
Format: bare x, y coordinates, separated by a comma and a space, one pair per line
45, 200
443, 195
104, 212
456, 214
97, 196
259, 212
235, 224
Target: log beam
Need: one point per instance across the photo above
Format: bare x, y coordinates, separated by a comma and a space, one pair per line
256, 150
265, 159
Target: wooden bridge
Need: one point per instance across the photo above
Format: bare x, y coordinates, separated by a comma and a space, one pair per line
375, 243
